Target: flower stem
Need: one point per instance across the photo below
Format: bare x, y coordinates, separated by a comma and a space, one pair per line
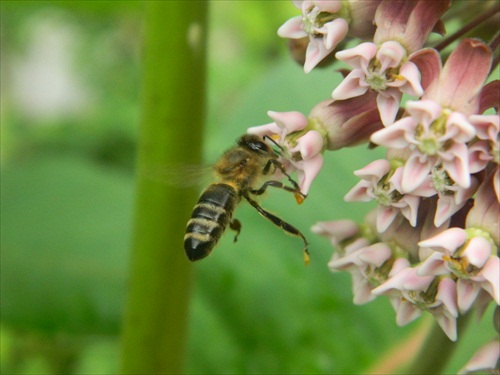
437, 349
173, 106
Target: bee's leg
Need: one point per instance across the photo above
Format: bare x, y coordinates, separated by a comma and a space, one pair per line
273, 183
277, 165
288, 228
236, 226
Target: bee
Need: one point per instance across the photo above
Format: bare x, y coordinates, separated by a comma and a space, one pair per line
239, 171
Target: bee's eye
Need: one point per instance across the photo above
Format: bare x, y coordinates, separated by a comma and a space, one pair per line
258, 146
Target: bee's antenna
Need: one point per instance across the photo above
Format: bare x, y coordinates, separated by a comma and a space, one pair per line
274, 142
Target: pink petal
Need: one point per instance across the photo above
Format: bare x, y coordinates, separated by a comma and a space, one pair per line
394, 135
447, 295
309, 144
407, 312
410, 71
487, 126
446, 208
336, 32
292, 29
359, 193
385, 217
391, 18
428, 63
463, 129
446, 242
422, 21
377, 168
376, 254
410, 211
268, 129
489, 96
415, 172
492, 275
361, 289
478, 251
408, 280
464, 74
310, 169
467, 292
479, 156
423, 111
458, 164
340, 229
351, 86
315, 52
390, 55
388, 105
485, 358
359, 56
448, 324
291, 121
434, 265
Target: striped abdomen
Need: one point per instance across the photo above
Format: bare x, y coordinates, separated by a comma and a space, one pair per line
209, 219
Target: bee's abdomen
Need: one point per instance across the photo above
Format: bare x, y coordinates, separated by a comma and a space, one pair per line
209, 219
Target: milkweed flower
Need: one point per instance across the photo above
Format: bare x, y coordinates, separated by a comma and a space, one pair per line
385, 65
432, 243
303, 146
326, 23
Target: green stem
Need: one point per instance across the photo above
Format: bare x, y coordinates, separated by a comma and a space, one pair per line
437, 349
173, 106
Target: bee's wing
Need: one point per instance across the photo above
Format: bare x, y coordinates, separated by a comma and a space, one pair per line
178, 175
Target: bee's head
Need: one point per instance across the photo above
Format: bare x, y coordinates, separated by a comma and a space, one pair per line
255, 144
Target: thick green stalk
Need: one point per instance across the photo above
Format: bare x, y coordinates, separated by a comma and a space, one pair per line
437, 349
173, 104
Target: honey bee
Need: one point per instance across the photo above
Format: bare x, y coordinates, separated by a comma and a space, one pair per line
239, 170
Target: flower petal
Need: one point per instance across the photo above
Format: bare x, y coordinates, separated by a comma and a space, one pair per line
351, 86
415, 172
394, 135
291, 121
336, 32
292, 29
446, 242
359, 56
412, 75
464, 74
388, 105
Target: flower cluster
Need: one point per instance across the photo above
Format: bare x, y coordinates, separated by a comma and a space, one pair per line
432, 244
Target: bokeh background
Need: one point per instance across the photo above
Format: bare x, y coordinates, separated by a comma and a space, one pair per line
70, 89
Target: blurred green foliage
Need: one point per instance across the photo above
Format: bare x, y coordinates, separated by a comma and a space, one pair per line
67, 195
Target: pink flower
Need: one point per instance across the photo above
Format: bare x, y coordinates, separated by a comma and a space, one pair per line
383, 69
411, 294
303, 147
485, 360
367, 268
486, 211
436, 136
322, 24
380, 182
488, 129
347, 122
337, 231
470, 255
385, 65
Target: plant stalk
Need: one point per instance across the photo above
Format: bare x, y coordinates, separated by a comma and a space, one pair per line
171, 127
